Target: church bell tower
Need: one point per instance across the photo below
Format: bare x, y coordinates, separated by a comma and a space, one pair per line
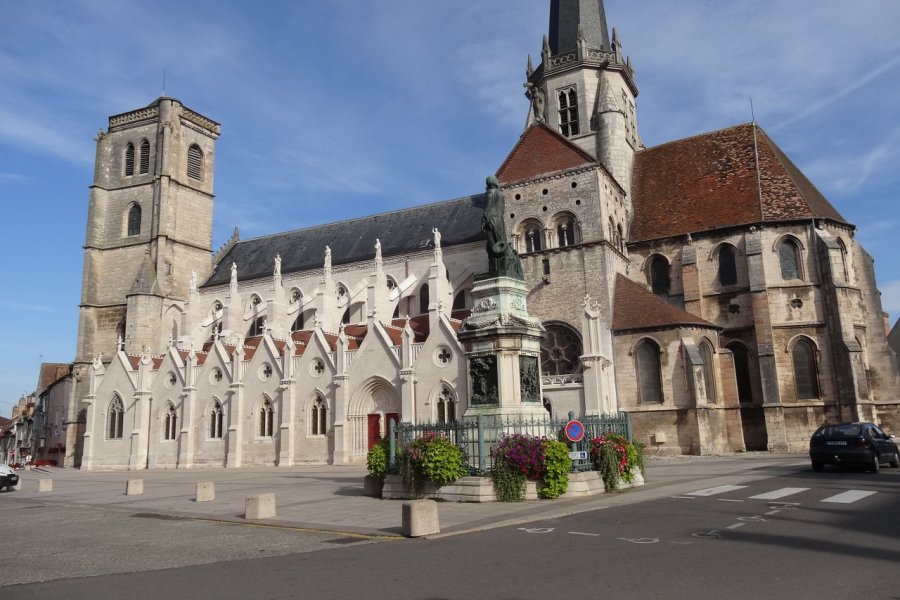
149, 226
584, 88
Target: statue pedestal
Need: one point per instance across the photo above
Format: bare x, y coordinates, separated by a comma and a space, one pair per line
503, 350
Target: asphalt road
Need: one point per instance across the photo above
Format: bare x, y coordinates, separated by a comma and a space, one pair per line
796, 535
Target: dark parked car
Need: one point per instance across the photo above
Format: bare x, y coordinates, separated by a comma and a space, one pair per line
861, 444
8, 477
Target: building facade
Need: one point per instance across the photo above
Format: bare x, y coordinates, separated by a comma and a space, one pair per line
704, 286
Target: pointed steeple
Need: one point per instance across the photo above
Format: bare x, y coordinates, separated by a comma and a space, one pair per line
571, 19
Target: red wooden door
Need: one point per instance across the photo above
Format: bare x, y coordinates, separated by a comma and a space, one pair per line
374, 429
387, 422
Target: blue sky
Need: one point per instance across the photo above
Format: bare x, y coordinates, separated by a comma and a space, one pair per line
338, 108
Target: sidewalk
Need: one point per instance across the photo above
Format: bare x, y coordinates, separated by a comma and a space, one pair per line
330, 498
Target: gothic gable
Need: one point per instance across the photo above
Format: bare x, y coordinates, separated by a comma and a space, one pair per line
540, 151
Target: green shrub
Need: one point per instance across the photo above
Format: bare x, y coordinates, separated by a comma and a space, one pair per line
556, 470
430, 457
377, 459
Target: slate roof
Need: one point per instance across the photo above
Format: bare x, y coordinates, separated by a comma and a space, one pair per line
710, 182
539, 151
636, 307
400, 232
571, 18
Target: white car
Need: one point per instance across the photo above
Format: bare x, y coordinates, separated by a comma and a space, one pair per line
8, 477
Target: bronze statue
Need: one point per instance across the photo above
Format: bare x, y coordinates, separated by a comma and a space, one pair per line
502, 259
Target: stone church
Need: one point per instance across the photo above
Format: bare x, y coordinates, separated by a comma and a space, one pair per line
704, 286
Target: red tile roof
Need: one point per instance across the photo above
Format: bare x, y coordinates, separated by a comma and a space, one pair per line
636, 307
539, 151
50, 374
710, 182
420, 325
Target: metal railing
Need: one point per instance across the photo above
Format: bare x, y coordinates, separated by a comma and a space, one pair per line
475, 437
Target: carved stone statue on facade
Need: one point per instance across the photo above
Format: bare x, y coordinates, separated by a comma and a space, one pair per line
502, 259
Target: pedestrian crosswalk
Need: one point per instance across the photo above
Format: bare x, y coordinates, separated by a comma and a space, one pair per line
806, 494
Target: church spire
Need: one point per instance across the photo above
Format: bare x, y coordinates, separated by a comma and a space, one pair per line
573, 19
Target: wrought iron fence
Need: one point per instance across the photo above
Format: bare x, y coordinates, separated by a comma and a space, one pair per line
476, 436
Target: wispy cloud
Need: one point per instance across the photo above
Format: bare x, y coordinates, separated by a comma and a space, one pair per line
13, 178
841, 93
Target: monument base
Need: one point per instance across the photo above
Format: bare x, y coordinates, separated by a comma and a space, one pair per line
503, 350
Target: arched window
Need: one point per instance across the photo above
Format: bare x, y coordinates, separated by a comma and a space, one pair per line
145, 157
620, 239
565, 231
560, 350
727, 266
171, 422
659, 275
789, 256
216, 420
215, 331
115, 419
129, 160
299, 322
423, 299
446, 406
649, 376
319, 416
709, 379
806, 374
195, 162
532, 233
134, 220
345, 319
568, 112
845, 271
266, 419
257, 328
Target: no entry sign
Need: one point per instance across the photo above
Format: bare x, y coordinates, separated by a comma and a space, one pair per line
574, 431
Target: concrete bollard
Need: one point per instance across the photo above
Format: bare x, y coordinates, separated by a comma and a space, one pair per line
18, 486
206, 491
44, 485
134, 487
260, 506
420, 517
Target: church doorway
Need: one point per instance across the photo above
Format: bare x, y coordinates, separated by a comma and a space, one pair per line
371, 408
753, 419
377, 429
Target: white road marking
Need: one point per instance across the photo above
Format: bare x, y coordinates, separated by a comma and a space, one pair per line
537, 529
684, 497
848, 497
640, 540
775, 495
735, 526
717, 490
773, 512
582, 533
753, 519
712, 533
